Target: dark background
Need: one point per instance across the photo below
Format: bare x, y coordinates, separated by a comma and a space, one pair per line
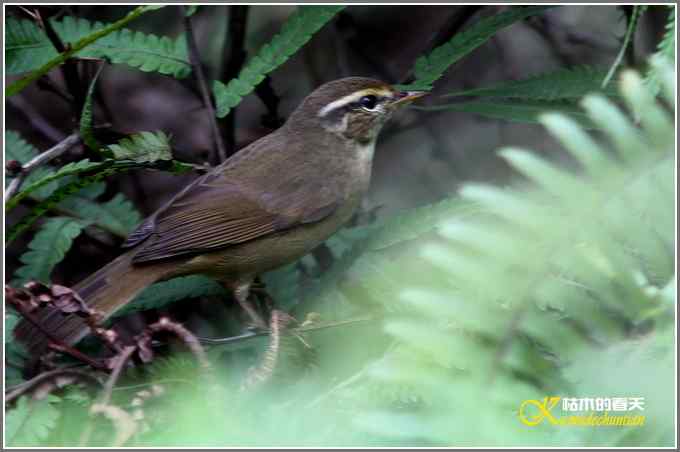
421, 156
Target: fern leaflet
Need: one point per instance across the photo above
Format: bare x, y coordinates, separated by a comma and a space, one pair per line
295, 33
47, 249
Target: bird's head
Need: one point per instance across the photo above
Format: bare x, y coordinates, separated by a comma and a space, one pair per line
355, 108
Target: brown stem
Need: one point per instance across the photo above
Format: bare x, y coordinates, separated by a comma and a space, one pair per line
69, 68
238, 16
197, 70
44, 377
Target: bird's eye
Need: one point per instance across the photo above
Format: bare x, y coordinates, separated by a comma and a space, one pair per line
368, 102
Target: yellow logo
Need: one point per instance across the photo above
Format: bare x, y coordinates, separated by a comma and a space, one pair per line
543, 408
533, 412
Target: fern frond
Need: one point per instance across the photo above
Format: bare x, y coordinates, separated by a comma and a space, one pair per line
175, 289
298, 29
86, 115
665, 50
118, 216
75, 47
142, 147
523, 111
509, 305
47, 249
429, 68
560, 85
50, 177
16, 148
30, 421
28, 47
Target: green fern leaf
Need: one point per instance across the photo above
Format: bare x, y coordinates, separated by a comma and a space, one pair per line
295, 33
117, 216
47, 249
175, 289
77, 44
665, 50
86, 132
28, 47
18, 149
429, 68
564, 84
523, 111
30, 421
143, 147
50, 177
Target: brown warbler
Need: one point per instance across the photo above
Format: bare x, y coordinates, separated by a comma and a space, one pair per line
266, 206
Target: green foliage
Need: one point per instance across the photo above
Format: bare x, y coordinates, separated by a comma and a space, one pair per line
298, 29
25, 38
516, 111
117, 215
48, 178
630, 33
16, 148
162, 293
524, 100
143, 147
485, 300
429, 68
568, 84
30, 421
511, 304
47, 249
86, 116
665, 50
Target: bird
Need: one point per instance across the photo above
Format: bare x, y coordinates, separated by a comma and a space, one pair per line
267, 205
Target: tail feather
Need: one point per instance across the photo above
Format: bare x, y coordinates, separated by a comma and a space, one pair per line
106, 291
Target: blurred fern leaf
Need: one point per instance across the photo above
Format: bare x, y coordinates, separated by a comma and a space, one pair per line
666, 49
30, 421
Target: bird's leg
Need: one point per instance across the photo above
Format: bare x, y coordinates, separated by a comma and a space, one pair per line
241, 292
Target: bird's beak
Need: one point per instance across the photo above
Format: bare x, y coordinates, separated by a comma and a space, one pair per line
406, 97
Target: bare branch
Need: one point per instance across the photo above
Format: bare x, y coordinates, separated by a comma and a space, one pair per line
197, 69
47, 156
54, 378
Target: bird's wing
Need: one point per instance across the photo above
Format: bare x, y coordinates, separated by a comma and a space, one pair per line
215, 212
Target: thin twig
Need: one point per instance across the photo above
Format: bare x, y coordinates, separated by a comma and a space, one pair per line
238, 16
44, 377
303, 329
102, 405
117, 365
197, 69
69, 69
35, 119
39, 160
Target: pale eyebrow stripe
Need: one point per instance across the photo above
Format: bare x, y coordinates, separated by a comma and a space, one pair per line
352, 98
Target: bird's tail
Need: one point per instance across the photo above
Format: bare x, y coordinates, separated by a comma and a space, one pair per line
105, 291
